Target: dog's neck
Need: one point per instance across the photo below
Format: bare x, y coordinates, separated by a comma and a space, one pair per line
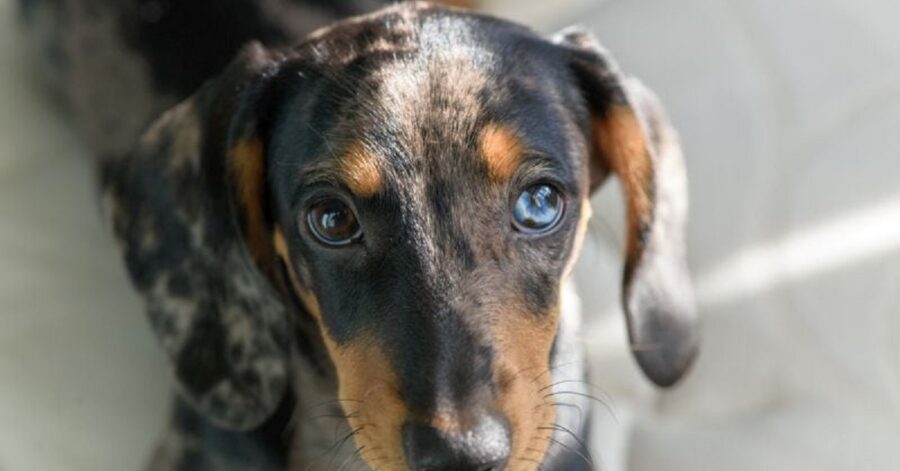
320, 427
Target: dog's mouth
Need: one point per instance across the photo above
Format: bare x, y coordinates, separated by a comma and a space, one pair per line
510, 429
506, 423
532, 413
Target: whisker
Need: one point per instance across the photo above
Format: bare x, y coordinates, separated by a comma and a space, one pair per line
334, 448
354, 455
300, 414
588, 460
593, 387
313, 407
341, 445
573, 435
606, 406
573, 406
351, 415
548, 453
519, 373
569, 381
332, 401
556, 367
536, 462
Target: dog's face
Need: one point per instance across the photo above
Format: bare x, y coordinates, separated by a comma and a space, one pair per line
419, 179
429, 198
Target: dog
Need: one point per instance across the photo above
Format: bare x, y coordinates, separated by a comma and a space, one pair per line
354, 244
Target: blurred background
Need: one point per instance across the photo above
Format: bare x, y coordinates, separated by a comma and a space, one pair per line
789, 111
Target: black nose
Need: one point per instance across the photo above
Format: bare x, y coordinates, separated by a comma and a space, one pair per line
481, 447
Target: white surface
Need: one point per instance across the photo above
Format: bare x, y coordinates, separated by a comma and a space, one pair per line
82, 384
789, 111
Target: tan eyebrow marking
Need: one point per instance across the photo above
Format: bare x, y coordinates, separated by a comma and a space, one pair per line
501, 150
359, 170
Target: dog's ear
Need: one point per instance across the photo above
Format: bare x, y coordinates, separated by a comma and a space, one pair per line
631, 137
189, 207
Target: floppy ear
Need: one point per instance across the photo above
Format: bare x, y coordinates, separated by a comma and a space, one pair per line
189, 209
631, 137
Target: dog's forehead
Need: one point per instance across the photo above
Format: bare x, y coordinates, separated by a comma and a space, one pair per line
416, 62
459, 87
430, 93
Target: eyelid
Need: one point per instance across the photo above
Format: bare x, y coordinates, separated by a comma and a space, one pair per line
307, 195
539, 168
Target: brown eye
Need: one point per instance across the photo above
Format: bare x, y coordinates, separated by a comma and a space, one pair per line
333, 223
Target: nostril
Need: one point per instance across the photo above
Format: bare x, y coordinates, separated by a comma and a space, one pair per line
484, 447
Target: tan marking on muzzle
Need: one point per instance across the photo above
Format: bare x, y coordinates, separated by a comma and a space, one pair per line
522, 369
367, 385
306, 296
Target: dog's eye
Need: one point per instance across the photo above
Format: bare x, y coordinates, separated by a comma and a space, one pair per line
332, 222
537, 209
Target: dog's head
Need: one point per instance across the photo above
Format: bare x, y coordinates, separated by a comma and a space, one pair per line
417, 181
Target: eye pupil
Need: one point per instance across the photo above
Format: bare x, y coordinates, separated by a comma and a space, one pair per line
537, 209
332, 222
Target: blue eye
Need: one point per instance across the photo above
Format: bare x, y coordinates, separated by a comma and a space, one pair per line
538, 209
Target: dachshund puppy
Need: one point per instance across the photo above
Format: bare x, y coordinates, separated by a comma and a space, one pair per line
377, 224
